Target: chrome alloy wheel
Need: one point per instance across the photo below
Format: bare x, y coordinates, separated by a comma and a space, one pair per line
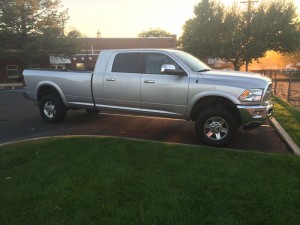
216, 128
49, 109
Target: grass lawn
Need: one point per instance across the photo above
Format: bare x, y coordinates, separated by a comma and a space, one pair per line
115, 181
288, 117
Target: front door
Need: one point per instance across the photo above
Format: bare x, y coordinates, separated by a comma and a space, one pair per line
162, 93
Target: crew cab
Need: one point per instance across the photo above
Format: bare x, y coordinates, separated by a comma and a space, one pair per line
161, 82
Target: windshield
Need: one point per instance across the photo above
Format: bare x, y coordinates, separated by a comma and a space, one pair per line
192, 62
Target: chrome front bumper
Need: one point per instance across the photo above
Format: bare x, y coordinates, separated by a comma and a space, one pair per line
252, 116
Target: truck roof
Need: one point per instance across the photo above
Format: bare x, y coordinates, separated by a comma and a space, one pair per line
142, 49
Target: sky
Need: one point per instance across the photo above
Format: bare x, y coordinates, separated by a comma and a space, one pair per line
127, 18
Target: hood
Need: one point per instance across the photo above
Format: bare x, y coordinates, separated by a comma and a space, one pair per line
252, 79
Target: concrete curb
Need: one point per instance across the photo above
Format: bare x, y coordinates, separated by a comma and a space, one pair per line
126, 138
285, 136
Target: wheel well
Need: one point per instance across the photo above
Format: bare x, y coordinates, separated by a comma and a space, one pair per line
46, 90
211, 101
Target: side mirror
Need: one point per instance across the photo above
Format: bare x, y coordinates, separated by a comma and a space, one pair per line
171, 70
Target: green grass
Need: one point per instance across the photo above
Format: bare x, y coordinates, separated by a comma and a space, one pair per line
288, 117
115, 181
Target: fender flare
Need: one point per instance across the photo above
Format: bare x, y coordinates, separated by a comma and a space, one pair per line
211, 93
54, 86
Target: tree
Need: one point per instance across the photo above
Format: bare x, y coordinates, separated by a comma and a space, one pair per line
240, 36
232, 49
294, 58
202, 35
158, 32
272, 26
32, 28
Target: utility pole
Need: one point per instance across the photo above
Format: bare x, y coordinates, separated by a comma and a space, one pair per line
249, 2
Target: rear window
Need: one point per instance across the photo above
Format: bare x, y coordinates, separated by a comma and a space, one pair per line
127, 63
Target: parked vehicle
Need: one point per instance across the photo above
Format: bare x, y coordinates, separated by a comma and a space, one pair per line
289, 70
168, 83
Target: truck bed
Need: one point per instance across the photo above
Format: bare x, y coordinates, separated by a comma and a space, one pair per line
73, 86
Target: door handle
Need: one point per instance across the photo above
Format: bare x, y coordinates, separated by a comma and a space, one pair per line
149, 81
110, 79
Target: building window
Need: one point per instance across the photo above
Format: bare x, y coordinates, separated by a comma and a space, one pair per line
90, 58
58, 67
12, 71
36, 66
80, 66
74, 58
82, 58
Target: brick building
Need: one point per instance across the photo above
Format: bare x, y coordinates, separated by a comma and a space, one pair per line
11, 69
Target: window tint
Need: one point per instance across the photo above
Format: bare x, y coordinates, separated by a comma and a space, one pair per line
127, 63
154, 62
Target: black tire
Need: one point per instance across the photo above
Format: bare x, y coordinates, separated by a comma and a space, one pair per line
52, 109
216, 126
92, 111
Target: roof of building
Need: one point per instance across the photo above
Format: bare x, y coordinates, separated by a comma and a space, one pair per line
126, 43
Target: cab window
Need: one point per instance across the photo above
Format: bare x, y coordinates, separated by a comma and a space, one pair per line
127, 63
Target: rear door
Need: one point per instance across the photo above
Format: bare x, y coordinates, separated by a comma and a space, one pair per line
162, 93
122, 81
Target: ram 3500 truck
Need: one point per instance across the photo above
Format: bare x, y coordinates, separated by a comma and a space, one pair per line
168, 83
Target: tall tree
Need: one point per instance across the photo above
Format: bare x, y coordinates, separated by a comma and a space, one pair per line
232, 48
154, 32
240, 36
31, 28
202, 34
273, 25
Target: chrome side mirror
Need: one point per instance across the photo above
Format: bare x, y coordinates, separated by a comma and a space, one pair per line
166, 67
171, 70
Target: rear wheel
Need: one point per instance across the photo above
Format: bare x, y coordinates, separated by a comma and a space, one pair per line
52, 109
216, 126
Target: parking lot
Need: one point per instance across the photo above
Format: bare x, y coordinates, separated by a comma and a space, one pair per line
20, 119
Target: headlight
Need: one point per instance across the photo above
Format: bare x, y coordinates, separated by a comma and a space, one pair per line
252, 95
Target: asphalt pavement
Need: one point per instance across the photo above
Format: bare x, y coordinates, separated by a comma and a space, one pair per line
20, 119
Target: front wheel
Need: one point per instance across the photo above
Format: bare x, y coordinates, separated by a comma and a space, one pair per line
216, 126
52, 109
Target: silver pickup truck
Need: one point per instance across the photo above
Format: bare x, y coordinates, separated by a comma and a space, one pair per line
168, 83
